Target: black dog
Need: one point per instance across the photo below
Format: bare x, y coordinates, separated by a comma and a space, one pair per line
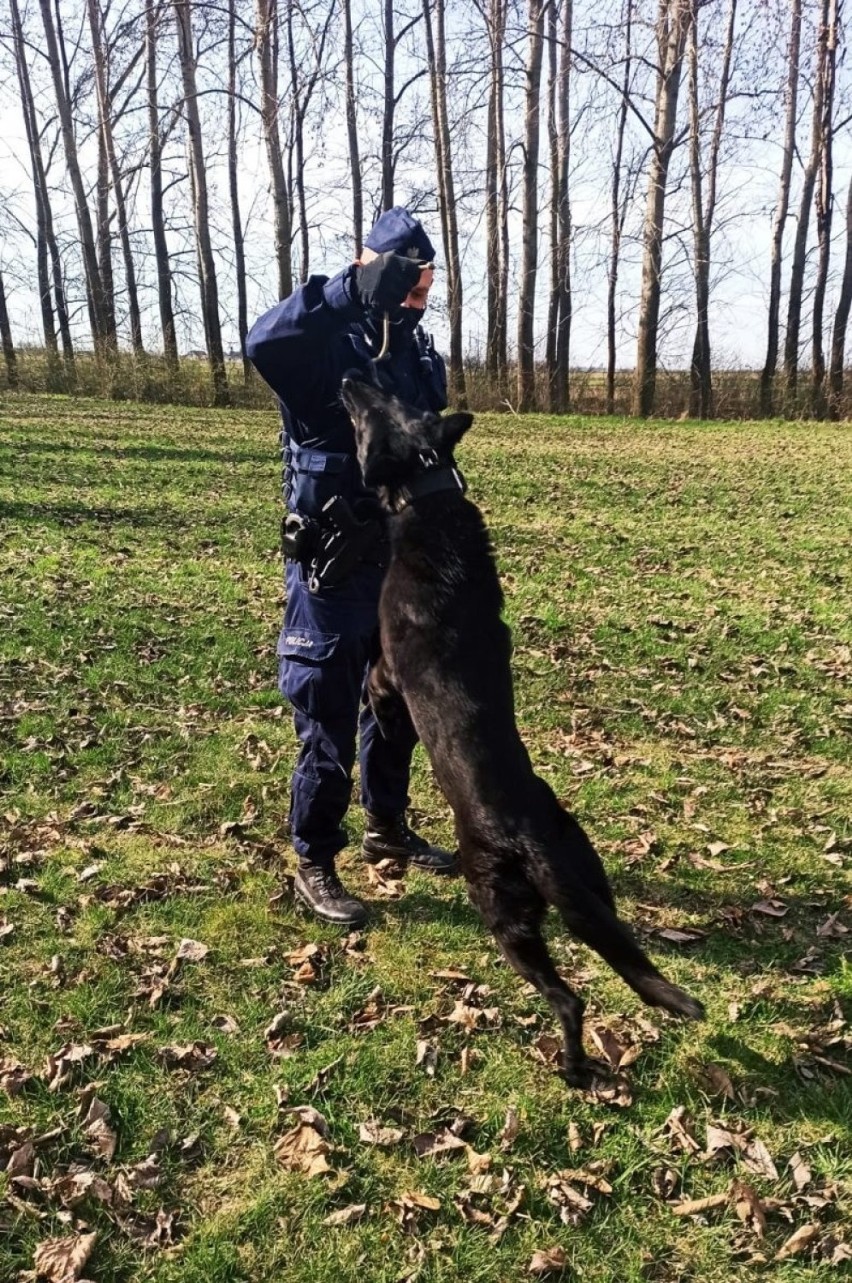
446, 650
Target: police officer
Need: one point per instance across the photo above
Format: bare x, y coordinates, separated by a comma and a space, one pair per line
303, 348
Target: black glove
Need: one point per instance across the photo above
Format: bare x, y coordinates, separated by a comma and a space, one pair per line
384, 282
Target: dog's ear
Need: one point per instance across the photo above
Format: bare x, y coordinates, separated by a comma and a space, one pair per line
452, 428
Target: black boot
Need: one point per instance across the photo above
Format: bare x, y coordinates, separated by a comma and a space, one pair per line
319, 887
393, 840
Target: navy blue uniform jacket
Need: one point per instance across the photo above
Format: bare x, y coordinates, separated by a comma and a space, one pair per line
303, 347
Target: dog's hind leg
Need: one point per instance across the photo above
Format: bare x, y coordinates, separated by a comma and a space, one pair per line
529, 956
383, 698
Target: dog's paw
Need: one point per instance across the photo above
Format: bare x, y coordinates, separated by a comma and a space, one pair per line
587, 1074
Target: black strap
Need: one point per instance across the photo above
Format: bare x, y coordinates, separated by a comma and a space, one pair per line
434, 478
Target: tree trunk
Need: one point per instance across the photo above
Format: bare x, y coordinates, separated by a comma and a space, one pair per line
104, 242
298, 121
701, 384
6, 336
233, 185
673, 23
824, 209
388, 107
94, 283
207, 273
529, 233
561, 399
39, 190
352, 129
436, 53
496, 204
841, 319
551, 39
619, 214
767, 377
158, 226
800, 245
98, 47
267, 56
304, 75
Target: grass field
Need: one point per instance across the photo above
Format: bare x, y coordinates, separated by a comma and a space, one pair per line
172, 1027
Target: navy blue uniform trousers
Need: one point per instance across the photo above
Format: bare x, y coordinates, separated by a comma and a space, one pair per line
325, 649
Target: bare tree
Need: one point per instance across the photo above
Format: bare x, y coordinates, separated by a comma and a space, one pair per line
560, 17
841, 317
103, 235
673, 22
102, 334
496, 199
42, 199
391, 96
107, 142
155, 153
800, 245
704, 181
436, 53
352, 128
266, 44
9, 355
782, 207
529, 228
824, 198
234, 190
307, 66
618, 207
201, 204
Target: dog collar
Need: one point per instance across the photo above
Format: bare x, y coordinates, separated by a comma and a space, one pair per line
434, 478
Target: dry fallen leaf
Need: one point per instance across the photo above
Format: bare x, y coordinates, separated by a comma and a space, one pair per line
61, 1260
373, 1133
748, 1207
303, 1149
550, 1260
664, 1182
94, 1114
307, 1114
800, 1171
192, 1056
346, 1215
426, 1056
192, 951
429, 1144
678, 1126
692, 1206
771, 908
618, 1053
511, 1127
225, 1025
798, 1241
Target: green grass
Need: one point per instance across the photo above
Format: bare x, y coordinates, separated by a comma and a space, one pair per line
679, 597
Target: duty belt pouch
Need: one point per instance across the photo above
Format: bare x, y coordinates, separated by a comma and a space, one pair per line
299, 537
344, 543
315, 476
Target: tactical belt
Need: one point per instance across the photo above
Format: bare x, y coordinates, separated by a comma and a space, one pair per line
331, 548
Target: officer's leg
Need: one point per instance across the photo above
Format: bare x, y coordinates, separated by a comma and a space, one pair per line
321, 661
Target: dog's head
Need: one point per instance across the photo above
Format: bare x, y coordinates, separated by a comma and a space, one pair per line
391, 437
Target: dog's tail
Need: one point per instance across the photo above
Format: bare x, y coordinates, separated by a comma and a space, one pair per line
593, 922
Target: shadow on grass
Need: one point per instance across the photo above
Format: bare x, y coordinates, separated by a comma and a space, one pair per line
150, 452
77, 514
